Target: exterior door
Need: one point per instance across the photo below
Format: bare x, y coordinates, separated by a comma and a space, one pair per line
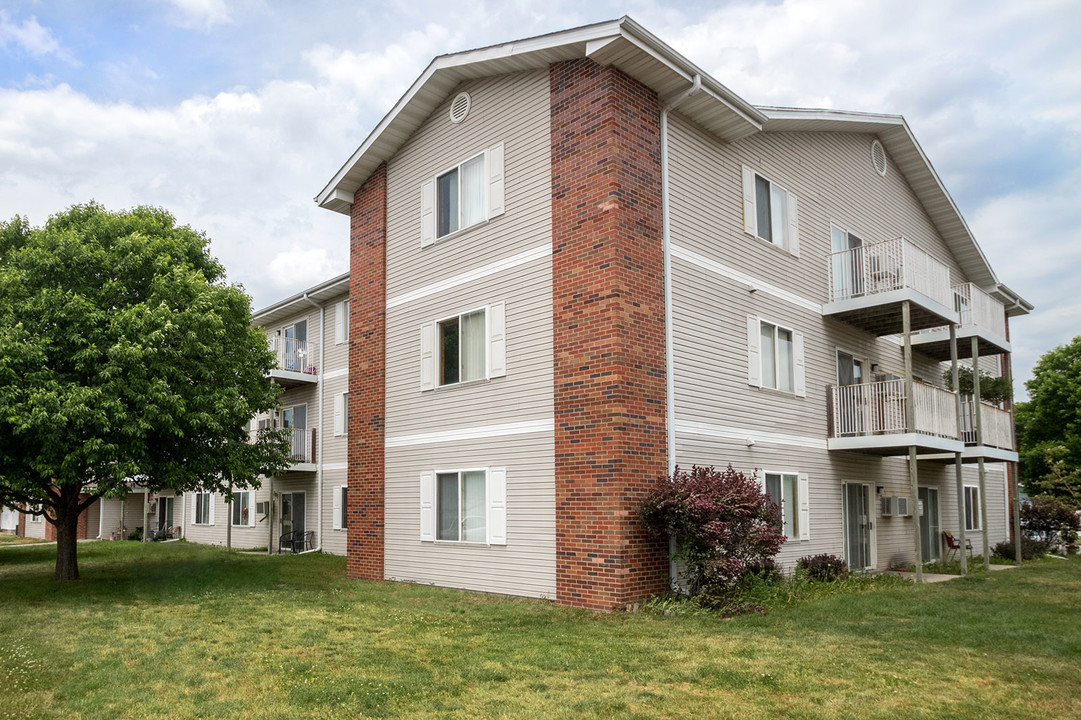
848, 278
296, 420
930, 525
165, 513
292, 512
852, 403
858, 526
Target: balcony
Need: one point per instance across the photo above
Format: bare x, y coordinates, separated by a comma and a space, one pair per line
874, 418
870, 283
302, 448
982, 317
295, 362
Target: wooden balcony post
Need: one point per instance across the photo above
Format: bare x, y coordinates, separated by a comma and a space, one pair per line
979, 443
958, 467
910, 426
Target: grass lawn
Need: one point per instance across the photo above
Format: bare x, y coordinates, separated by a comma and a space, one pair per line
12, 539
183, 631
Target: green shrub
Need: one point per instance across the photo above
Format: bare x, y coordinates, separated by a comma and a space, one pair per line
1029, 549
823, 568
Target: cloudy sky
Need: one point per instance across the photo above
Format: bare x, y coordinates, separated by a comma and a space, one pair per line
233, 114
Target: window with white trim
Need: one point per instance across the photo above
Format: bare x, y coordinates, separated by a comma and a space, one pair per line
770, 212
203, 509
775, 357
462, 348
972, 508
341, 322
790, 492
463, 196
35, 518
243, 509
467, 506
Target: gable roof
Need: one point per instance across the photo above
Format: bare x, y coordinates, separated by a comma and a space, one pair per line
625, 44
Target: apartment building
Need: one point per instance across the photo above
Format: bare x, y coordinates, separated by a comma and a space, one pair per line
308, 333
577, 260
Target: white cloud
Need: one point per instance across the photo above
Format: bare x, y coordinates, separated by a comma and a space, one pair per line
302, 266
201, 14
32, 38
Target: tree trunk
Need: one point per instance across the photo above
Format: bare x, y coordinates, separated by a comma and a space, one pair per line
67, 527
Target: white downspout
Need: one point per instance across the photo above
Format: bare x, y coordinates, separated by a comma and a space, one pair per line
669, 351
319, 464
666, 242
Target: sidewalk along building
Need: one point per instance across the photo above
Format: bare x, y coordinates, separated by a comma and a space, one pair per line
308, 333
578, 260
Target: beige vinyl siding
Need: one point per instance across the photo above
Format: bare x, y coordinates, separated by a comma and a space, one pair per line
525, 565
93, 519
831, 175
334, 541
34, 529
512, 110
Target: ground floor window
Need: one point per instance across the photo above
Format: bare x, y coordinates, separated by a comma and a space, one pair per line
461, 508
972, 508
243, 512
783, 489
204, 504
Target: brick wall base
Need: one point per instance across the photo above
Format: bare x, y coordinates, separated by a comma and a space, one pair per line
367, 377
608, 307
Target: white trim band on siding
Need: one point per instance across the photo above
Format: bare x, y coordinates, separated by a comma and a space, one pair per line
467, 277
341, 372
743, 434
732, 274
335, 466
473, 433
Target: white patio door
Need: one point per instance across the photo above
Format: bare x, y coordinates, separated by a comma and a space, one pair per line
292, 512
930, 525
858, 526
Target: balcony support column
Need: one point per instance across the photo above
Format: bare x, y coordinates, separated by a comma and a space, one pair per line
958, 467
976, 403
910, 426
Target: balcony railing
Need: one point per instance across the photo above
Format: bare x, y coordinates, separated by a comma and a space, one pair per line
997, 425
886, 266
302, 443
293, 355
979, 309
880, 408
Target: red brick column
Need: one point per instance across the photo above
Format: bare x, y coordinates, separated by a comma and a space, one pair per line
608, 306
367, 377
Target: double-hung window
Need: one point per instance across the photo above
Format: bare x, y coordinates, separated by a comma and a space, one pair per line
972, 508
467, 506
775, 357
243, 509
791, 492
465, 195
465, 347
202, 510
769, 211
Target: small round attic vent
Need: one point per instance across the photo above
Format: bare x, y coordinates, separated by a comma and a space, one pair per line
878, 157
459, 108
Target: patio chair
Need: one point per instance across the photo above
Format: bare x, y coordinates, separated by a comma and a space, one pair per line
286, 542
303, 541
954, 545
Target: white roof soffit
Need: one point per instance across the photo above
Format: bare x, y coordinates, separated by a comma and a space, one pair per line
317, 294
909, 158
621, 43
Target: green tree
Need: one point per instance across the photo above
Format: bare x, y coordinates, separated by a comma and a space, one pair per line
993, 389
1049, 425
124, 354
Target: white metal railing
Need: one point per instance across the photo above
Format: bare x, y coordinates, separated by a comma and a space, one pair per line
979, 308
997, 425
302, 444
884, 266
880, 407
293, 354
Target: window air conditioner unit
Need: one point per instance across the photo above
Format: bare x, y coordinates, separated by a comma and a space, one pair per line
262, 508
888, 506
902, 507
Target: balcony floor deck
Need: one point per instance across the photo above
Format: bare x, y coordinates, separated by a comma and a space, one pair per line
888, 444
881, 313
291, 378
936, 343
973, 453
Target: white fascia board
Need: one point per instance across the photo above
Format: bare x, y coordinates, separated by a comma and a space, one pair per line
334, 285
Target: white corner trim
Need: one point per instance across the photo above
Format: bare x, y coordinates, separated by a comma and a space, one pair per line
473, 433
742, 277
471, 275
689, 427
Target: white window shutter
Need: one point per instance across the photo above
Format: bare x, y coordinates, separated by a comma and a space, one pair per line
427, 506
339, 414
750, 216
497, 340
337, 514
754, 352
793, 225
251, 508
427, 213
427, 357
804, 507
339, 323
495, 180
194, 507
211, 503
799, 369
497, 506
